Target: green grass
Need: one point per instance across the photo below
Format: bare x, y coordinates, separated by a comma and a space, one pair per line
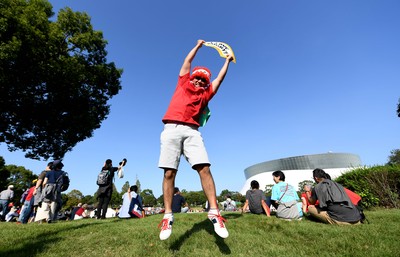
193, 235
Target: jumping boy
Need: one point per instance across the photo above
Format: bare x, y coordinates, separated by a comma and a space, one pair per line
181, 136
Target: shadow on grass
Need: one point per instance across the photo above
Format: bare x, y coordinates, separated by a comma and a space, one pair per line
207, 226
42, 242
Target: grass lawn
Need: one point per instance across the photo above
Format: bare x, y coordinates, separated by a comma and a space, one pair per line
193, 235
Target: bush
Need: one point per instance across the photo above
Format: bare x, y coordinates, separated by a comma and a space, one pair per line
377, 185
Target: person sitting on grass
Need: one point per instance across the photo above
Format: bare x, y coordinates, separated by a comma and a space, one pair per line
179, 204
256, 200
284, 198
335, 206
81, 212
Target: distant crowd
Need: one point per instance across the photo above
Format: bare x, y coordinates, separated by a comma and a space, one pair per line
324, 200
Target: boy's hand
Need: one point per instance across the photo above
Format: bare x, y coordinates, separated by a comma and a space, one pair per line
229, 58
200, 42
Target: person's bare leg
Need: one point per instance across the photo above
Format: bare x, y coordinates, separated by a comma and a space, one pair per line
168, 188
207, 182
168, 191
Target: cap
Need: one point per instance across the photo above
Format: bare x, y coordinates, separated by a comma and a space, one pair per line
202, 72
58, 164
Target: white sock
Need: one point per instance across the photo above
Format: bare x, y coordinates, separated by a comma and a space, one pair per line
168, 215
213, 211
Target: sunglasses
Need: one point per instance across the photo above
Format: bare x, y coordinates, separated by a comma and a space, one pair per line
201, 79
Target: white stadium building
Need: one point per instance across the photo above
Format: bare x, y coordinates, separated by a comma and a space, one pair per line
299, 168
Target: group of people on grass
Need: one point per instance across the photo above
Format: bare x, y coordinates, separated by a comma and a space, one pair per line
42, 201
187, 111
327, 201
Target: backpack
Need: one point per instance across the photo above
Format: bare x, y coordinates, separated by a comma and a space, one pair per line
103, 178
135, 208
362, 214
63, 182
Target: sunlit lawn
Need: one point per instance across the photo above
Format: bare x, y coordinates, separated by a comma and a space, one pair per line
250, 235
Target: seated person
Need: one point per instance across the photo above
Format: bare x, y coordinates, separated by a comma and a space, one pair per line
255, 200
13, 214
284, 198
178, 202
123, 212
229, 204
81, 212
335, 206
136, 209
304, 199
72, 214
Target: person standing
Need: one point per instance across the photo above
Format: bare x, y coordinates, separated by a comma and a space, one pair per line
181, 137
52, 191
28, 205
105, 191
6, 197
39, 185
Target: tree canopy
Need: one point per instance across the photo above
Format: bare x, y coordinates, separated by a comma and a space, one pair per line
18, 176
398, 109
394, 157
55, 80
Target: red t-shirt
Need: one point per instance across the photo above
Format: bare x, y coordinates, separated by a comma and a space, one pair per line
30, 193
79, 211
187, 102
354, 198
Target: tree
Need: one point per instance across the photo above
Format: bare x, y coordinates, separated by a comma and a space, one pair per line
194, 198
73, 198
394, 157
4, 174
21, 178
304, 182
89, 199
116, 198
398, 109
148, 197
125, 188
138, 185
55, 80
160, 200
268, 189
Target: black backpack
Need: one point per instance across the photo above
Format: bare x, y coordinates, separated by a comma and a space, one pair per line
63, 182
103, 178
362, 214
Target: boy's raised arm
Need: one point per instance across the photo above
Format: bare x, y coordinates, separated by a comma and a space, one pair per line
186, 66
221, 75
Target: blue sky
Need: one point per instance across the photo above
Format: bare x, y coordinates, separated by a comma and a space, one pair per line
311, 77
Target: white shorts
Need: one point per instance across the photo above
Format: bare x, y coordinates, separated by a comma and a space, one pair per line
177, 139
